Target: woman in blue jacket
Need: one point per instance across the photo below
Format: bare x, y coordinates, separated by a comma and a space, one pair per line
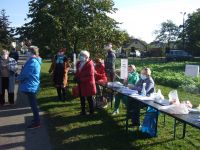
29, 82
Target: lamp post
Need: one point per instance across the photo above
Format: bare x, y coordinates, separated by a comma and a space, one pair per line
183, 34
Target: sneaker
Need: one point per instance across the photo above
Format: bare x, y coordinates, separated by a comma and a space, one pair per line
34, 126
115, 112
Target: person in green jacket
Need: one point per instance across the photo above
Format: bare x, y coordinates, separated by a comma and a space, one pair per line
132, 79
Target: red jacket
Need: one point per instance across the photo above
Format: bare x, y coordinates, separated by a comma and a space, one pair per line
86, 77
100, 74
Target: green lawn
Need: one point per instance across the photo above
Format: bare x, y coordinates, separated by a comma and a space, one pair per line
69, 131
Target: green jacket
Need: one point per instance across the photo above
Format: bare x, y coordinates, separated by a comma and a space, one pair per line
133, 78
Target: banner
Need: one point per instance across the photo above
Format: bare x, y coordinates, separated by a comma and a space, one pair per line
124, 69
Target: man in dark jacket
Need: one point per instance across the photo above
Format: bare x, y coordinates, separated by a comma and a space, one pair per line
110, 63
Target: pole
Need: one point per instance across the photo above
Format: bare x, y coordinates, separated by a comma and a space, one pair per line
183, 36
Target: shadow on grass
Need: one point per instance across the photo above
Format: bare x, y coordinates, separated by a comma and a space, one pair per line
100, 131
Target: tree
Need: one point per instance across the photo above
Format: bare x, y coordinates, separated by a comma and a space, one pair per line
192, 29
75, 24
5, 30
168, 33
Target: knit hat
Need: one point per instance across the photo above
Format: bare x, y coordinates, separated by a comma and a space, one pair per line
86, 53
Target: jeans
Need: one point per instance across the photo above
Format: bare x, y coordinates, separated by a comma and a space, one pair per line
33, 103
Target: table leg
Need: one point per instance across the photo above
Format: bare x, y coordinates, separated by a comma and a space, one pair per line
184, 130
156, 123
174, 128
164, 120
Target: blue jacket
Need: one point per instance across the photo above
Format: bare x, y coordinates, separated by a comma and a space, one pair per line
30, 75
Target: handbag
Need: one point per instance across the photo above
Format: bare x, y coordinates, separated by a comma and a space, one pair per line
75, 91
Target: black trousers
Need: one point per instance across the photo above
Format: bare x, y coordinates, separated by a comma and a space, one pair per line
61, 91
5, 85
90, 101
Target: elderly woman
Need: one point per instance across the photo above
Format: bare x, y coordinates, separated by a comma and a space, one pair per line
60, 67
145, 77
8, 68
150, 116
86, 80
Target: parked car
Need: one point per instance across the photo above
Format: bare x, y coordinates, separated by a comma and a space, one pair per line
120, 55
145, 54
135, 53
173, 55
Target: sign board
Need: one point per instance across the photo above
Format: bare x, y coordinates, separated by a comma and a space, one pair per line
124, 69
192, 70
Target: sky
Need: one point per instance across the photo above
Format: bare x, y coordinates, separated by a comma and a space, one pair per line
140, 18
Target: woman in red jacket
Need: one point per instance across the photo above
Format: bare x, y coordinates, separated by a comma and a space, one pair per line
100, 74
86, 81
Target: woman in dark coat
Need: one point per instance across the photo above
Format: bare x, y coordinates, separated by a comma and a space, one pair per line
60, 67
86, 81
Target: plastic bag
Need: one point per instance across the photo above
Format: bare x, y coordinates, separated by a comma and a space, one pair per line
176, 109
157, 96
187, 103
173, 97
160, 96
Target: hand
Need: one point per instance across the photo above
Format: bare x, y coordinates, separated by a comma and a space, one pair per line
125, 81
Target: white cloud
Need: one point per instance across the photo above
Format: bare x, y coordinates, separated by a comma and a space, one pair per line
142, 20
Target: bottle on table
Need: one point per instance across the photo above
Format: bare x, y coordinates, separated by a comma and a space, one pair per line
143, 92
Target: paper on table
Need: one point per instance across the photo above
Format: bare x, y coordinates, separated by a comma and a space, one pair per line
114, 84
128, 91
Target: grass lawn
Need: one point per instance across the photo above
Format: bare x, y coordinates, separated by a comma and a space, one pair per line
102, 131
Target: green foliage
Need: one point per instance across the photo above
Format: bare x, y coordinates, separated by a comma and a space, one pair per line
75, 24
168, 33
193, 32
5, 30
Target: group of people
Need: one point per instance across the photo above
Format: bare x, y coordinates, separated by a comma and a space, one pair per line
29, 79
86, 75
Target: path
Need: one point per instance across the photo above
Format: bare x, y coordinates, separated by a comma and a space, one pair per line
13, 122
